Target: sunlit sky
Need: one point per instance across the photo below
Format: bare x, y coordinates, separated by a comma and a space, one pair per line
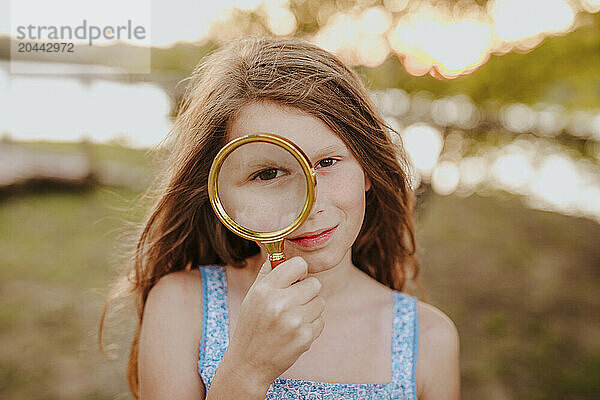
453, 40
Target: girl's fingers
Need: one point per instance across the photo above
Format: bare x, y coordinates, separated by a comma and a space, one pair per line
304, 291
288, 272
313, 309
317, 326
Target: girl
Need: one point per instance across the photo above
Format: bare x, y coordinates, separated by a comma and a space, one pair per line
331, 322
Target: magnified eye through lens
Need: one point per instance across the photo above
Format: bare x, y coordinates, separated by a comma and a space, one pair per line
262, 187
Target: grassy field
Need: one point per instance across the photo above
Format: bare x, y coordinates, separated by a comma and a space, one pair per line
521, 285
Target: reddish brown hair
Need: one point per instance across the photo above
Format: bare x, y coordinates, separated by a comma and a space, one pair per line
181, 229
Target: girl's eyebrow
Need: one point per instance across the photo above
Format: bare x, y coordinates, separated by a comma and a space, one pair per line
260, 164
328, 150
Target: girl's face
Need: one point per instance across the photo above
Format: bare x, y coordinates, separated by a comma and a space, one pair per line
326, 237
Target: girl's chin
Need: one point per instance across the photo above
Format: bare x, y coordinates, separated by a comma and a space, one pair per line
319, 263
312, 269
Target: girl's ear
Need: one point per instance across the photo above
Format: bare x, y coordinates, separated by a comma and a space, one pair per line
367, 183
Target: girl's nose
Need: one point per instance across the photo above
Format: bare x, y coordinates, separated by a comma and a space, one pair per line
321, 197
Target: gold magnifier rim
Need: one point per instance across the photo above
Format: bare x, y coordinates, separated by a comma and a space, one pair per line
215, 200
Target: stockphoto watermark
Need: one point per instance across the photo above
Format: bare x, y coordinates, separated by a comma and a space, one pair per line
85, 31
80, 37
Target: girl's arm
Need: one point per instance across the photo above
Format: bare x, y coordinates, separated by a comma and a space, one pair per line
438, 373
169, 339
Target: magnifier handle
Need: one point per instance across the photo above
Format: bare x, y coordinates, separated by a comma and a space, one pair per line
276, 255
275, 250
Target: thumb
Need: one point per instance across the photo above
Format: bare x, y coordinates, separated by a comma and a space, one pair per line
264, 270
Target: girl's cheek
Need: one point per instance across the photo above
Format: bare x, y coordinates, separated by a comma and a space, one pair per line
345, 187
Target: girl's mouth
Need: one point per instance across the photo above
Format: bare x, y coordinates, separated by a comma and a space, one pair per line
314, 240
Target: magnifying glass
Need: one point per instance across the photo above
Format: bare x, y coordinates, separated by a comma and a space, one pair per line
262, 187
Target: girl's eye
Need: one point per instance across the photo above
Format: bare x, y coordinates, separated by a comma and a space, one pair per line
267, 174
327, 162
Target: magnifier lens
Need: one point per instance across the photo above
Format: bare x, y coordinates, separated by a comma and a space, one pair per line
262, 187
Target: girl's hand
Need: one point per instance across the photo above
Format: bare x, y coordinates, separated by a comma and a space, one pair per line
280, 317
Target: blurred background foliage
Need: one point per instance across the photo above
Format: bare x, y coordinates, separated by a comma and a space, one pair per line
506, 158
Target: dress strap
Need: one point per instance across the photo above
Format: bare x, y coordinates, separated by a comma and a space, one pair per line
404, 344
215, 326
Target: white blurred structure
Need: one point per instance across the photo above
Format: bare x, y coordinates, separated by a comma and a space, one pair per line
439, 136
67, 109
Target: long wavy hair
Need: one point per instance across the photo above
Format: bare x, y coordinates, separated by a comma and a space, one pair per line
181, 230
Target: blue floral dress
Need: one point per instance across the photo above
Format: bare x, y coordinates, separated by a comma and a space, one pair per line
215, 339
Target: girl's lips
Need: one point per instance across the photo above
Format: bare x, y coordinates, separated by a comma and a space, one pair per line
316, 240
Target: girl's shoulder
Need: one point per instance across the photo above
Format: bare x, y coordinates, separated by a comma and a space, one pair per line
435, 323
177, 296
185, 283
184, 287
438, 351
